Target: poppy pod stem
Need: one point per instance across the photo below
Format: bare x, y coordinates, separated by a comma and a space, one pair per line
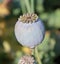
28, 6
22, 2
37, 56
32, 6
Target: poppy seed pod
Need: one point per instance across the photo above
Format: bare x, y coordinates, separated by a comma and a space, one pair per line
29, 30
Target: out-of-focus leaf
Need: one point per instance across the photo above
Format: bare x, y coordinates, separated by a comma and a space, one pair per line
16, 11
44, 46
18, 55
57, 18
39, 6
52, 44
41, 54
51, 20
54, 19
44, 16
52, 54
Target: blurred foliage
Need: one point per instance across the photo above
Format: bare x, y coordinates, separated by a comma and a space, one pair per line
49, 13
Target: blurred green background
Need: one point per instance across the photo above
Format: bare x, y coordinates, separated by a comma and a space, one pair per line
49, 13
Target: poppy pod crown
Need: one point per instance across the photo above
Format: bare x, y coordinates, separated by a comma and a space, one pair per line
28, 18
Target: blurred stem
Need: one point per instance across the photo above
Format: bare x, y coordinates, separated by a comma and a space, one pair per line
37, 56
32, 6
23, 6
28, 6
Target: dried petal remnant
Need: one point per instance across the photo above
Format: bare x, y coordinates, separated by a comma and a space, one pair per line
28, 18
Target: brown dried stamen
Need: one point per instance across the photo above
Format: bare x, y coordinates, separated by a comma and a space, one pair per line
28, 18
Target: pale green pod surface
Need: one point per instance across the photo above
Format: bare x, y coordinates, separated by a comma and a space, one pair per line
29, 34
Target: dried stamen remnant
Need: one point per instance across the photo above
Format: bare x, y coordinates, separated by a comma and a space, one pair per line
26, 60
28, 18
